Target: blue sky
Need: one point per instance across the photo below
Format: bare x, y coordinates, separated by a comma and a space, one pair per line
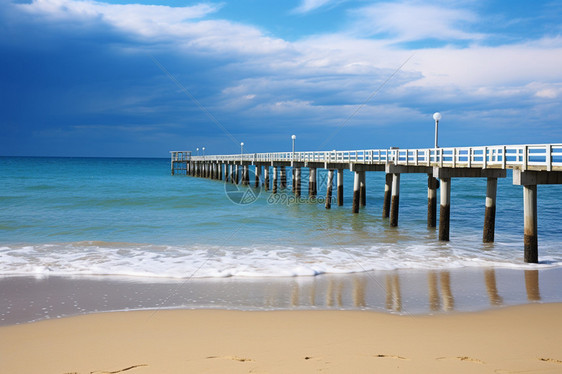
140, 78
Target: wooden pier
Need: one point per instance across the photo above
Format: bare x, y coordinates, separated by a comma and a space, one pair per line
532, 165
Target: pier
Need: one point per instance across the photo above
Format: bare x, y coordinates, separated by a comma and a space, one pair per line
532, 164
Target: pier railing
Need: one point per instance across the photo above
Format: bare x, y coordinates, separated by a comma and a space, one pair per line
546, 157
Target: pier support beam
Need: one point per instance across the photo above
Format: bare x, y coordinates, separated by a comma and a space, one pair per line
283, 177
395, 200
297, 182
274, 186
266, 177
258, 175
432, 186
312, 189
362, 188
356, 191
490, 213
246, 175
529, 179
387, 193
530, 238
340, 187
445, 209
329, 185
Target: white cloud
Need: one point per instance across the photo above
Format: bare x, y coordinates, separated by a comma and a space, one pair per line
410, 21
183, 26
308, 5
293, 76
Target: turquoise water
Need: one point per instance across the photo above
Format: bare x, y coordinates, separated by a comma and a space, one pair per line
104, 216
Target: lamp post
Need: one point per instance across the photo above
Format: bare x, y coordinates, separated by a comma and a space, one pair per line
203, 151
293, 137
437, 118
241, 150
197, 151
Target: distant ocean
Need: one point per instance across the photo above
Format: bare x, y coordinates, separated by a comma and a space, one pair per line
130, 217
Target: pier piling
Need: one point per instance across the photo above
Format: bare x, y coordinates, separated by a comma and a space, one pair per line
312, 189
257, 175
395, 199
387, 194
283, 177
445, 209
298, 177
274, 187
432, 185
362, 188
490, 212
266, 177
329, 184
356, 191
340, 187
530, 239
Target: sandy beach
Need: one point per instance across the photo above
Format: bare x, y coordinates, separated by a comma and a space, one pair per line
517, 339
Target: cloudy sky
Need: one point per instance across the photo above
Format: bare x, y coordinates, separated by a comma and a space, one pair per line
140, 78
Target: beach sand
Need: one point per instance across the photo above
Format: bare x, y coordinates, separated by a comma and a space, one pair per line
517, 339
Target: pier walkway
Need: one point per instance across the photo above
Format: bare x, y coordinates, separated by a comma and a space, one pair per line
532, 164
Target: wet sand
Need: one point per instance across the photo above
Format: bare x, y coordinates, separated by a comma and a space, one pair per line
26, 299
526, 338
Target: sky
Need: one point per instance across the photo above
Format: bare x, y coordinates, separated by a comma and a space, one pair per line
140, 78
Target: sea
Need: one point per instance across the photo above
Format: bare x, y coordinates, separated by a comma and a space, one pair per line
92, 219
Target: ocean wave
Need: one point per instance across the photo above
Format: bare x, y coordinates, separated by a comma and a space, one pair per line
206, 261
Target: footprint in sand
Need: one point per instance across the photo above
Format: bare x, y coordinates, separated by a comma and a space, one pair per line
462, 358
233, 358
392, 356
551, 360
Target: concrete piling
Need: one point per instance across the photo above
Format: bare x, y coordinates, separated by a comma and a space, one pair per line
362, 188
257, 175
312, 189
274, 187
395, 199
266, 177
298, 177
330, 182
246, 175
530, 239
445, 209
490, 212
432, 186
283, 177
340, 187
356, 191
387, 194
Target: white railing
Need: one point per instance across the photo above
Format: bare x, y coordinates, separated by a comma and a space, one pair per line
534, 156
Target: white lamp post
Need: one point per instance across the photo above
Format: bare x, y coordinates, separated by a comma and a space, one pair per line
197, 151
242, 149
203, 151
437, 118
293, 137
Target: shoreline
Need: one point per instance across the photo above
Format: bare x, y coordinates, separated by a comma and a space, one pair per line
524, 338
403, 292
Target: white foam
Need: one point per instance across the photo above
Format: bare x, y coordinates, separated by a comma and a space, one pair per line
128, 259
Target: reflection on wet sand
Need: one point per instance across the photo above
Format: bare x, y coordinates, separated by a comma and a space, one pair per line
490, 280
365, 291
447, 295
359, 292
532, 285
393, 293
